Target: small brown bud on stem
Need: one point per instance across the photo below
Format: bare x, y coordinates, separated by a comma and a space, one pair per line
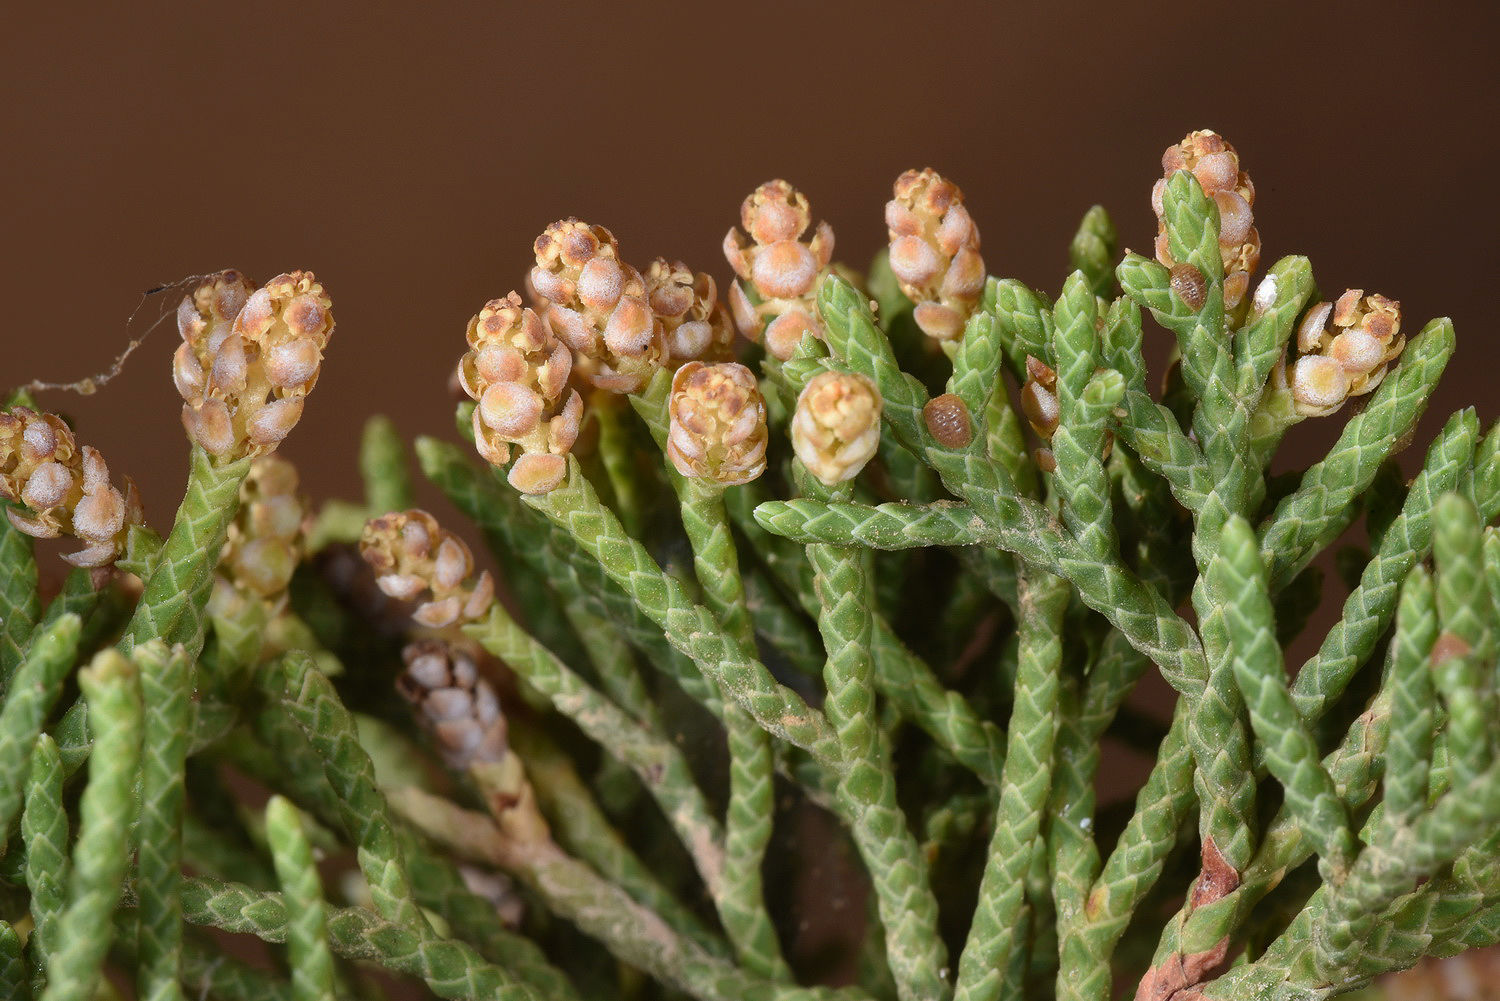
1190, 285
1039, 398
948, 421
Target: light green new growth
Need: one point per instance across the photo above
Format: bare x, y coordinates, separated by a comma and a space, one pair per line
307, 927
165, 688
111, 686
789, 663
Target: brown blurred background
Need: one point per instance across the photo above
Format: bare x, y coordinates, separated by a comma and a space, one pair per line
410, 156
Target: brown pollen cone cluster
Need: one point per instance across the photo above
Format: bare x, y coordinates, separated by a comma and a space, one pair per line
415, 559
265, 541
718, 423
783, 269
836, 427
598, 306
1216, 166
1346, 349
454, 702
249, 358
934, 248
517, 372
65, 488
695, 326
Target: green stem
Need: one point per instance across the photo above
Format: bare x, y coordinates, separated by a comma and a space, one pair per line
175, 595
100, 856
307, 926
20, 602
44, 831
1025, 783
164, 690
602, 910
748, 821
308, 697
867, 786
12, 967
383, 467
38, 682
582, 829
657, 762
689, 627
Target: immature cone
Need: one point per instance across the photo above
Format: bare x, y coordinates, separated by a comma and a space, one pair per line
695, 326
265, 541
935, 252
1216, 166
65, 489
718, 423
517, 373
836, 428
1348, 356
454, 702
248, 359
416, 560
784, 270
1039, 398
597, 305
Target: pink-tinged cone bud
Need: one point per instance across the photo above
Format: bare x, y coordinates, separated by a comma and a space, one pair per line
836, 427
597, 305
266, 540
934, 252
1346, 349
248, 359
517, 372
415, 559
63, 488
786, 333
718, 423
1216, 166
454, 703
783, 269
695, 326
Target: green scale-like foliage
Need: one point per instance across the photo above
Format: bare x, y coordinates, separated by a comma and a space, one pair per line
889, 697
